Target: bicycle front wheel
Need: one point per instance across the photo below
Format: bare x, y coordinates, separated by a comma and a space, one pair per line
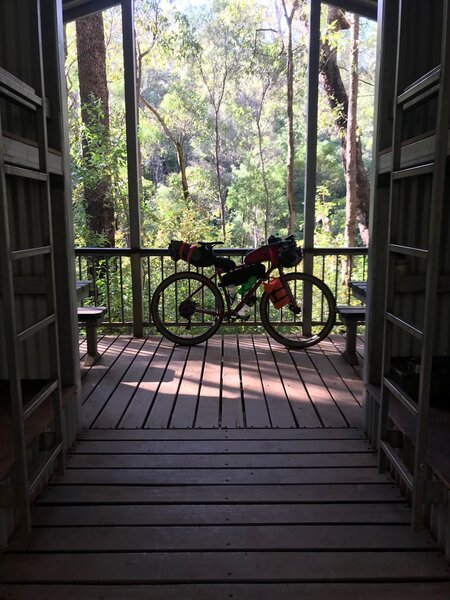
309, 320
187, 308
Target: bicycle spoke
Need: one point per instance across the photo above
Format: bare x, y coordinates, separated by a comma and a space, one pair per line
311, 325
187, 308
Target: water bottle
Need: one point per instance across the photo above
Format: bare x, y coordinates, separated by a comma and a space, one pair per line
244, 311
232, 293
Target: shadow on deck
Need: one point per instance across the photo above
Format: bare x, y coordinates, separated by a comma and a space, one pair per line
232, 470
234, 381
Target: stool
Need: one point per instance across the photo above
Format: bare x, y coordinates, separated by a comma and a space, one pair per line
350, 317
91, 317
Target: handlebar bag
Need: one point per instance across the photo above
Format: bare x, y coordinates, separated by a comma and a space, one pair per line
267, 252
289, 254
199, 256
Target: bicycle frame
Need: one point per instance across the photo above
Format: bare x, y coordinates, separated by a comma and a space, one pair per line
233, 312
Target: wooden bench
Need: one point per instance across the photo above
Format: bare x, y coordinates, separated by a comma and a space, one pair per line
350, 317
91, 317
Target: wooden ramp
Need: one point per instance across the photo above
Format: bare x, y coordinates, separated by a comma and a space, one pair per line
219, 514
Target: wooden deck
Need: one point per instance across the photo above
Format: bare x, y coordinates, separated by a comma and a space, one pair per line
244, 478
231, 382
215, 514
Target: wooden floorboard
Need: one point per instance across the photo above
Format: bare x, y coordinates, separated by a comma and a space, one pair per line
236, 591
231, 381
303, 513
234, 469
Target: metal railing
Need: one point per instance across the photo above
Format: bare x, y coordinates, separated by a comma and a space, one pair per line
109, 269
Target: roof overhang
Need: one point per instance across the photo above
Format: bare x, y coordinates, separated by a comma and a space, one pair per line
74, 9
365, 8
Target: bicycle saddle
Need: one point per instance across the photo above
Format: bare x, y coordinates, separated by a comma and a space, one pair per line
209, 244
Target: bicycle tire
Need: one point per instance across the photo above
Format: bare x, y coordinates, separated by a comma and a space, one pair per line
169, 296
324, 306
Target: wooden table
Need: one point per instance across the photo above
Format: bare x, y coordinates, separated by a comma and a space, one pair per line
359, 289
83, 290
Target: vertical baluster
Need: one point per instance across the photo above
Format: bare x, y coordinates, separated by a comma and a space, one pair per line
108, 289
149, 290
122, 308
163, 304
94, 277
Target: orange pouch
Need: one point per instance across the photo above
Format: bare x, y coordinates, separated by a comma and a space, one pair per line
277, 294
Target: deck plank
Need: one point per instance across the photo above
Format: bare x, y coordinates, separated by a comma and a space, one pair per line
208, 408
321, 398
225, 537
129, 494
221, 446
279, 476
240, 591
281, 414
298, 397
232, 413
217, 461
163, 404
93, 375
348, 374
340, 393
126, 353
194, 567
339, 433
186, 404
256, 412
122, 395
221, 514
141, 403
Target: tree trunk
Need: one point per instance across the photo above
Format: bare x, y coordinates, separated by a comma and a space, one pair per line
182, 164
290, 115
350, 159
177, 143
339, 103
94, 89
218, 175
264, 180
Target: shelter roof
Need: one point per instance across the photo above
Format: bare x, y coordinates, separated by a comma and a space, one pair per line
73, 9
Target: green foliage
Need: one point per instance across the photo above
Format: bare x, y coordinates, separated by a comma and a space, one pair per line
193, 58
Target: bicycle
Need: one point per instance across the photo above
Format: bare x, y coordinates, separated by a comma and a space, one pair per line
189, 307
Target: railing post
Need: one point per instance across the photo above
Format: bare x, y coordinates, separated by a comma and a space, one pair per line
311, 154
129, 56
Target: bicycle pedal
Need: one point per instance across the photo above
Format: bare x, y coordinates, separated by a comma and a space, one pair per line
243, 317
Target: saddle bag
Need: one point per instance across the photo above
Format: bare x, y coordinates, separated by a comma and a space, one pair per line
196, 255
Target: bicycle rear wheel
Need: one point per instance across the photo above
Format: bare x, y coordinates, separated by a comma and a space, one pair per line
178, 304
297, 330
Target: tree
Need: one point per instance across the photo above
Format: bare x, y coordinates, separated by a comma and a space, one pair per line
289, 14
225, 42
356, 175
94, 98
351, 147
254, 93
177, 141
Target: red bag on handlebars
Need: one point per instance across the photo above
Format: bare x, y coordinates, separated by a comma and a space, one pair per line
284, 254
